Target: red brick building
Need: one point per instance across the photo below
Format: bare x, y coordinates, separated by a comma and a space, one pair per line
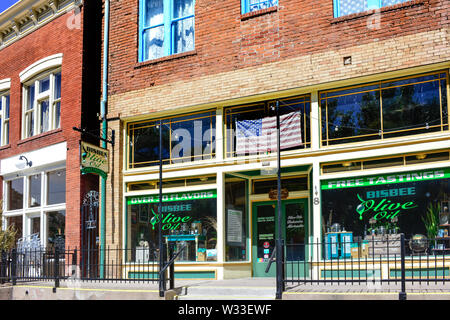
368, 80
49, 75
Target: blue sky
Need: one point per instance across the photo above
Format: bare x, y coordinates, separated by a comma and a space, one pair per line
5, 4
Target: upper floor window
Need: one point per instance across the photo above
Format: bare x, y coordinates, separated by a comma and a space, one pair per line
251, 129
346, 7
166, 28
255, 5
42, 104
385, 109
184, 139
4, 119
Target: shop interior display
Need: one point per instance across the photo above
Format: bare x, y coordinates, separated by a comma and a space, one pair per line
443, 239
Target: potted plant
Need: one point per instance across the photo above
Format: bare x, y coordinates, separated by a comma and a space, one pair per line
431, 221
210, 224
7, 236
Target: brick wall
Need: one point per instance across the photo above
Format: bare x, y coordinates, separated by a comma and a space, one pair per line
298, 44
55, 37
226, 41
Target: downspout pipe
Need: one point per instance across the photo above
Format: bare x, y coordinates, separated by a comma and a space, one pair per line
104, 136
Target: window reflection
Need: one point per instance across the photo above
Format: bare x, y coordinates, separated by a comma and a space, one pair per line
15, 194
56, 225
35, 191
261, 112
56, 187
184, 139
388, 109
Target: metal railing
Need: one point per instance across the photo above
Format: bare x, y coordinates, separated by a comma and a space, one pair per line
55, 265
390, 259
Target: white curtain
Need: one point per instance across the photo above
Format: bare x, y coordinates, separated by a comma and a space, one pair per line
154, 37
184, 29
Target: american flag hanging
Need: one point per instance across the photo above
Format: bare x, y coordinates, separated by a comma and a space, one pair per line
260, 135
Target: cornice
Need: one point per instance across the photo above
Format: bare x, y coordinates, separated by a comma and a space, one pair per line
26, 16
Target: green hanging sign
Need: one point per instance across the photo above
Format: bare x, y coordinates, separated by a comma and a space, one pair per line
375, 180
170, 197
94, 159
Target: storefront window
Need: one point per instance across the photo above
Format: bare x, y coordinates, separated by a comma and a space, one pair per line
56, 187
385, 109
15, 194
35, 191
236, 219
184, 139
189, 219
251, 129
56, 225
35, 224
384, 204
17, 223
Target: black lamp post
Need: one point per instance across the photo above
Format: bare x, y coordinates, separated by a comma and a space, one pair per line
162, 275
279, 243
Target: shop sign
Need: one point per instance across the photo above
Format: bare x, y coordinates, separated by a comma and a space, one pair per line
383, 208
169, 222
273, 194
94, 159
179, 196
385, 179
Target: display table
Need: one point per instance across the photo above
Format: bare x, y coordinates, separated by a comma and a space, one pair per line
383, 245
190, 239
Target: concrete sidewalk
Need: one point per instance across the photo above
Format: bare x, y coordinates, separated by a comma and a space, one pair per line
232, 289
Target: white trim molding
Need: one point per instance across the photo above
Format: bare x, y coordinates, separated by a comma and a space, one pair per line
12, 166
5, 84
26, 16
53, 61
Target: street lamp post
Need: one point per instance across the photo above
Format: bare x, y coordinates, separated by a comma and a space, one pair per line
162, 277
279, 245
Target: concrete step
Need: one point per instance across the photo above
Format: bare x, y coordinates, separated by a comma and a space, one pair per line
226, 293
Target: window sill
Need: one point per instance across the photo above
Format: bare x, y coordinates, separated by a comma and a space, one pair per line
258, 13
38, 136
167, 58
358, 15
6, 146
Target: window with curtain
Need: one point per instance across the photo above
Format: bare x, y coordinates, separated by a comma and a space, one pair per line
347, 7
255, 5
166, 28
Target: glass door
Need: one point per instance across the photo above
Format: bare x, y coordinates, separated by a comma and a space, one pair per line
294, 232
264, 235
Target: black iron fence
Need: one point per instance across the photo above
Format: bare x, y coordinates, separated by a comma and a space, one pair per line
382, 259
391, 259
55, 265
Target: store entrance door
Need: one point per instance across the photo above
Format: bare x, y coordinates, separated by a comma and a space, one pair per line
264, 222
